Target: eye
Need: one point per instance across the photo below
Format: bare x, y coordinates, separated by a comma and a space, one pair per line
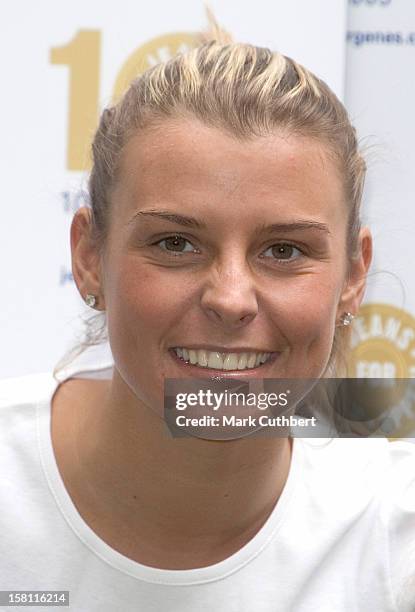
176, 244
283, 252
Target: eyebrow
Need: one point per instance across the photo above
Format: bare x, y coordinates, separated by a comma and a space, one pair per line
300, 225
296, 225
169, 216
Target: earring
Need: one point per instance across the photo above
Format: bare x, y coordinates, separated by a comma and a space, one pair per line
90, 300
346, 318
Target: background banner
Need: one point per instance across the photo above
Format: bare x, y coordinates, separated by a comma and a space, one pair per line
380, 97
62, 64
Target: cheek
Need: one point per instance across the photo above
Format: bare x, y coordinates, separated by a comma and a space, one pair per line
306, 310
143, 306
145, 302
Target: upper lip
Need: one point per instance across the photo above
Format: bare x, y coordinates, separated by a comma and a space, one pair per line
223, 349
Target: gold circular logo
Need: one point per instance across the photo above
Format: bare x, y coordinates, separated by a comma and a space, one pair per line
159, 49
383, 347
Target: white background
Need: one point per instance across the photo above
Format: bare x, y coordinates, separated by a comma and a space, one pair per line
39, 315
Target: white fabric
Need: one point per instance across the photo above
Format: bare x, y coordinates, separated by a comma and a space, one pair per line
340, 539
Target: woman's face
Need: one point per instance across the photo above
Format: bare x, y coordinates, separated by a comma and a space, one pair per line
224, 253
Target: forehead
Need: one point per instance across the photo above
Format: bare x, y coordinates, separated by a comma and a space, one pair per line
193, 165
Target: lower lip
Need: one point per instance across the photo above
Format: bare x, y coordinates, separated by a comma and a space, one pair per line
200, 372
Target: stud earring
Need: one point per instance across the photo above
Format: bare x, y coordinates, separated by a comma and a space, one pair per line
90, 300
346, 318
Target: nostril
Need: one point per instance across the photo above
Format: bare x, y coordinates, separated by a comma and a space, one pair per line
213, 314
247, 318
229, 319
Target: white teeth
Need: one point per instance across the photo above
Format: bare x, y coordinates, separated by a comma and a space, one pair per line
242, 361
222, 361
230, 362
215, 361
202, 358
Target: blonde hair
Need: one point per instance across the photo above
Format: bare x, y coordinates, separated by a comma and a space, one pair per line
246, 91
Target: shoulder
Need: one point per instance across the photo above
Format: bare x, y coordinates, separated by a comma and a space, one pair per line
377, 469
350, 461
349, 454
375, 478
20, 396
398, 516
24, 390
19, 399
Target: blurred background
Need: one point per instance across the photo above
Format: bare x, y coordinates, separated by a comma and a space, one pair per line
62, 63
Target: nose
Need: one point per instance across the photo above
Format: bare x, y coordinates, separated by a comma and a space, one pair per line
229, 297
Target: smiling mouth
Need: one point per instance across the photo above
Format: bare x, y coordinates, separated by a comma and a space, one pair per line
216, 360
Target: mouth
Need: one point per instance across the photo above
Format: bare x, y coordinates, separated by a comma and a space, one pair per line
221, 361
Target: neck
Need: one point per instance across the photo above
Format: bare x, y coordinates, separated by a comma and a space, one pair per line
175, 493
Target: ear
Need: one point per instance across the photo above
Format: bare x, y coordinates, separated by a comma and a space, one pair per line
355, 285
86, 267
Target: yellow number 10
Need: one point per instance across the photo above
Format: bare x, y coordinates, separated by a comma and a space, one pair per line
82, 56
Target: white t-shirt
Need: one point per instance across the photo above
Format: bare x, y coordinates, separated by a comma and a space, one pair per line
340, 539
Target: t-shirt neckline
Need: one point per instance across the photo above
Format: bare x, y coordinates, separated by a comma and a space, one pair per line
106, 553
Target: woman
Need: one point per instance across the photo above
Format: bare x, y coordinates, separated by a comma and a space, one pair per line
223, 239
